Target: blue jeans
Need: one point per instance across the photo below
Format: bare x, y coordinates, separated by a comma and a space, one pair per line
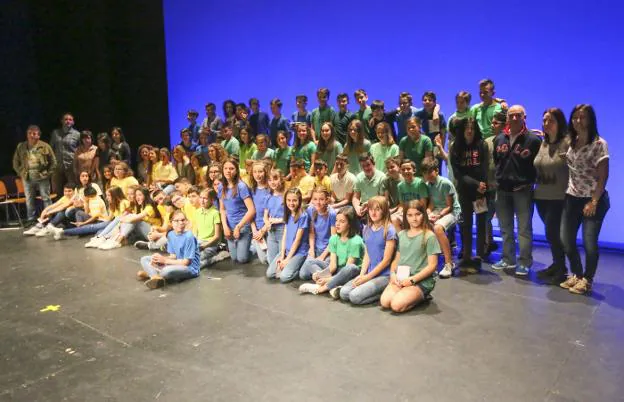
30, 192
551, 211
58, 218
366, 293
86, 229
206, 256
290, 271
262, 254
109, 228
310, 266
141, 228
572, 219
274, 241
239, 248
167, 272
520, 204
344, 275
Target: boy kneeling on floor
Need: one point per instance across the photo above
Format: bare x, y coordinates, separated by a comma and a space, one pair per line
181, 263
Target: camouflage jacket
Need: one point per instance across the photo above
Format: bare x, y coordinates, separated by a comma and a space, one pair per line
44, 154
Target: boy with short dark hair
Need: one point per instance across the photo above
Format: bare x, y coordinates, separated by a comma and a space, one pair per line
212, 123
278, 122
258, 120
193, 127
390, 185
229, 142
321, 179
410, 188
404, 112
379, 115
364, 113
301, 179
484, 112
443, 209
187, 142
301, 115
343, 118
323, 113
342, 182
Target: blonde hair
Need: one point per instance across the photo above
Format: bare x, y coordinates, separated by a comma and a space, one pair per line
383, 204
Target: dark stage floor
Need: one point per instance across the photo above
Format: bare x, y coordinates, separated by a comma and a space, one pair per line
490, 337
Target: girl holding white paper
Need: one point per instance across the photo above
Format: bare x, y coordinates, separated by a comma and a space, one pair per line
470, 163
380, 239
346, 249
418, 250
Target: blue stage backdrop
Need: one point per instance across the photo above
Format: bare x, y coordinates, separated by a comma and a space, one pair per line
539, 54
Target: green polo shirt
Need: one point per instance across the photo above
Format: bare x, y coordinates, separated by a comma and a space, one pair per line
368, 188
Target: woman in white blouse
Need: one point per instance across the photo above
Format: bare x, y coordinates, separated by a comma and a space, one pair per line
587, 200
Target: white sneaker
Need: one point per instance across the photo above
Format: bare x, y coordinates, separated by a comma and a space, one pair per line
95, 242
45, 231
309, 288
447, 270
33, 230
58, 233
109, 245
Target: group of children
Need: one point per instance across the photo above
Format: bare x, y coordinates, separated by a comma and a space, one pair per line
355, 204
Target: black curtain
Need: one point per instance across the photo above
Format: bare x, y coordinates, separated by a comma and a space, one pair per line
102, 60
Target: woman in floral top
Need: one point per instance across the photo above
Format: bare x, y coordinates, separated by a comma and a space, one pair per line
587, 200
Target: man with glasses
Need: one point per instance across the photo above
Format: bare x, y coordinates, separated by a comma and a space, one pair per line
514, 154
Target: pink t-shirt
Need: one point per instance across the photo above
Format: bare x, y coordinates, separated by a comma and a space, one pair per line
583, 163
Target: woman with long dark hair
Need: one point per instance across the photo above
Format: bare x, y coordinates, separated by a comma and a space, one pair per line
586, 201
470, 162
84, 158
120, 146
552, 182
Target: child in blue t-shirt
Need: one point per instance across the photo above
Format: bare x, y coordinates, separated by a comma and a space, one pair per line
260, 194
237, 211
346, 249
181, 263
295, 242
414, 266
380, 239
322, 227
274, 214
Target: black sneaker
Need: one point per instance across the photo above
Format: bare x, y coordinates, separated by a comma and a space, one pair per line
548, 272
142, 245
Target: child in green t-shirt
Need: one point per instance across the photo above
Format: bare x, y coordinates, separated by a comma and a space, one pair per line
346, 250
390, 185
409, 189
413, 269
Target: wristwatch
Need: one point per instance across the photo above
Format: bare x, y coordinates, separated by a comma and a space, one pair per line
413, 282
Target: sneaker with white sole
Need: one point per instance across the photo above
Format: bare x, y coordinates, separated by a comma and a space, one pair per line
447, 270
570, 282
95, 242
45, 231
109, 245
335, 292
33, 230
58, 233
309, 288
521, 270
142, 245
582, 287
502, 264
